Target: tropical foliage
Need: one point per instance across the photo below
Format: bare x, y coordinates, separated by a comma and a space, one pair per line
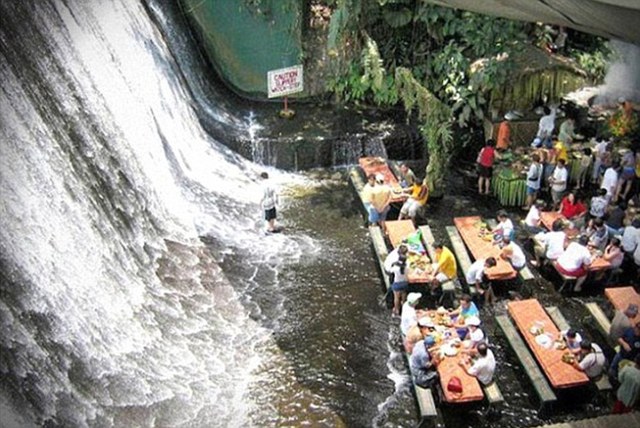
441, 64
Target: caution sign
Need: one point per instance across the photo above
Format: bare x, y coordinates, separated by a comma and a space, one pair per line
285, 81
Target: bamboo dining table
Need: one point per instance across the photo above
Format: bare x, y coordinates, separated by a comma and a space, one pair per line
621, 297
529, 315
398, 231
469, 230
377, 165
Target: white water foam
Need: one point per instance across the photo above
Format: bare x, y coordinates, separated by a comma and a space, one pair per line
94, 182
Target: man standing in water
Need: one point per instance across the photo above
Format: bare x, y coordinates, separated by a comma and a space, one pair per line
268, 202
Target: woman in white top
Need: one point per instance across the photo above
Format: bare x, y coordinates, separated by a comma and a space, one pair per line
475, 335
400, 283
572, 339
505, 224
532, 220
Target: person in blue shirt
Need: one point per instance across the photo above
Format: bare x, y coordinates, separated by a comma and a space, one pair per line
424, 363
466, 309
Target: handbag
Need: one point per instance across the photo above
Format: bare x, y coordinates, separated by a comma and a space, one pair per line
538, 168
455, 385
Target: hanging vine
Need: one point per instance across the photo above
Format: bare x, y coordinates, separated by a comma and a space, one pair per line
436, 126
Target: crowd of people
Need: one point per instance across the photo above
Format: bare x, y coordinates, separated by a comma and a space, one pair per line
600, 217
601, 201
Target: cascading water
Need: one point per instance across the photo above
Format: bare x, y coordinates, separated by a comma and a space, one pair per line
113, 312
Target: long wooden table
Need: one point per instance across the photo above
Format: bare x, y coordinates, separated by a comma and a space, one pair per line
377, 165
398, 230
529, 313
548, 217
481, 249
449, 367
621, 297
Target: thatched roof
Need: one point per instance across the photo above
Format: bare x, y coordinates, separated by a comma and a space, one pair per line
538, 76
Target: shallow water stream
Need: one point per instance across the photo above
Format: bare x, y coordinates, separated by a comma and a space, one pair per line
341, 340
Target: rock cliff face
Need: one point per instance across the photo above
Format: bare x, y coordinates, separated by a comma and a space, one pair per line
319, 135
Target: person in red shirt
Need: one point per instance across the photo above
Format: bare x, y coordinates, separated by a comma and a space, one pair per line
485, 160
572, 207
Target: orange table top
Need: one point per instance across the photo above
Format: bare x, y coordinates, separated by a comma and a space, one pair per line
621, 297
449, 367
377, 165
548, 217
481, 249
401, 229
529, 313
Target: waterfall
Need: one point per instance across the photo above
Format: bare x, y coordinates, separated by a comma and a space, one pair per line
113, 312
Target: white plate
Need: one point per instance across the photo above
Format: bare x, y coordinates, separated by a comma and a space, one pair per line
544, 340
450, 351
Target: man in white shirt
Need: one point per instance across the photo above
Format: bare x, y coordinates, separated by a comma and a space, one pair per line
599, 151
268, 202
483, 367
546, 125
591, 359
534, 178
610, 180
476, 277
558, 181
549, 244
631, 237
575, 261
513, 254
532, 220
409, 313
598, 204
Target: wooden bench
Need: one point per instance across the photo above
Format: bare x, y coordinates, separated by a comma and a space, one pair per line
558, 318
603, 323
426, 403
358, 184
494, 397
566, 279
380, 248
602, 383
540, 384
424, 397
460, 250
